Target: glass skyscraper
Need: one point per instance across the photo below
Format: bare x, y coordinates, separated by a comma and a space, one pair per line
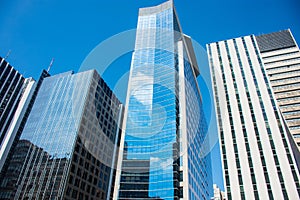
68, 147
162, 155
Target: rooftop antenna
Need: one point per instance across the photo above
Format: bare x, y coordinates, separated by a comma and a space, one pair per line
8, 53
50, 65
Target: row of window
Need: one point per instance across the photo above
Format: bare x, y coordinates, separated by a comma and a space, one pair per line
283, 136
283, 68
220, 123
278, 57
233, 132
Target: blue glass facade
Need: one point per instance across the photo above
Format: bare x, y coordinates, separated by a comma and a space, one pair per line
199, 161
66, 150
163, 113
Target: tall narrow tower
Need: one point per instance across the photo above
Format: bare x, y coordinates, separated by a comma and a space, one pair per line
164, 127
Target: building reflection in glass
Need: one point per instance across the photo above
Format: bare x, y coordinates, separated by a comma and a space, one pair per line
67, 149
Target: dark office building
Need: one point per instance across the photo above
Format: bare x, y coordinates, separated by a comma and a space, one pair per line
68, 148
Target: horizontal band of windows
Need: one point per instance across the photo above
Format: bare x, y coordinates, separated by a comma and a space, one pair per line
281, 64
125, 174
283, 70
153, 99
151, 138
144, 150
281, 57
161, 144
292, 106
139, 118
140, 186
287, 95
287, 90
291, 76
286, 86
285, 82
282, 61
297, 139
288, 102
285, 74
134, 195
292, 117
291, 114
158, 189
279, 51
150, 135
296, 135
290, 109
278, 55
295, 131
293, 122
295, 128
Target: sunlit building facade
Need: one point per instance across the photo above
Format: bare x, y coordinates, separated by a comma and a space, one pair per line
68, 147
218, 194
281, 57
11, 87
257, 157
17, 95
162, 155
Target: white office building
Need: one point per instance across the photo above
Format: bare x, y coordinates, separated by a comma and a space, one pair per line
281, 57
257, 157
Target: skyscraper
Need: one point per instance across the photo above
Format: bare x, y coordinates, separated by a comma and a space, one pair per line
257, 158
218, 194
281, 57
17, 95
68, 147
11, 88
162, 154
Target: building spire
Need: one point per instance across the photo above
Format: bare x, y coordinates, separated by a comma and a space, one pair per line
50, 65
8, 53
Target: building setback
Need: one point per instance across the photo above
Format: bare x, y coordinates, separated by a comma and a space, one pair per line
281, 57
162, 155
257, 158
68, 145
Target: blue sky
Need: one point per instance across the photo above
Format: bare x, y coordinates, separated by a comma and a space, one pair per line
36, 31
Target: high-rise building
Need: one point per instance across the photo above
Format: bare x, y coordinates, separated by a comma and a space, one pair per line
218, 194
68, 146
281, 57
257, 157
162, 155
17, 95
11, 88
